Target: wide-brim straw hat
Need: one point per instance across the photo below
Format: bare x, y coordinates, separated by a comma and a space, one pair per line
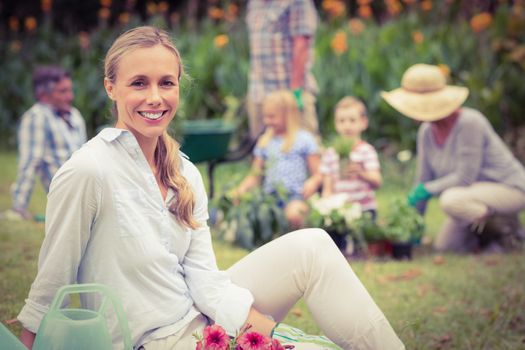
424, 94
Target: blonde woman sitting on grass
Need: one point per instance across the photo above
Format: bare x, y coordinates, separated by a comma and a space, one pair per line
128, 211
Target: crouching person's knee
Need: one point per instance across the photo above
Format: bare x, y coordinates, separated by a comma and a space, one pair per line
452, 201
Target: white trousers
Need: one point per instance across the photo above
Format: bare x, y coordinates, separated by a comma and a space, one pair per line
307, 264
472, 204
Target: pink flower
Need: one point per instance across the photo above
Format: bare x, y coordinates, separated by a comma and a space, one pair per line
254, 341
215, 338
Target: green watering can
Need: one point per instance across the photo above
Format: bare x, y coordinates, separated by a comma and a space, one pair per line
79, 329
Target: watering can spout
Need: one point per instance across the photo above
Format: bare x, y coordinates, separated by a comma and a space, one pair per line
8, 339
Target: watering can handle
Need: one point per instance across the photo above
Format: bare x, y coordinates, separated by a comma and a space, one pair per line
108, 294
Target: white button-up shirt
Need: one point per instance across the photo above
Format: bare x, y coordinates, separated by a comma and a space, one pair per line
106, 222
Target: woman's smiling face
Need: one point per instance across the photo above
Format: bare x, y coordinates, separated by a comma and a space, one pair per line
146, 91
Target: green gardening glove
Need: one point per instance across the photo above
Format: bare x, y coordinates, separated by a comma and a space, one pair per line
286, 334
298, 94
418, 194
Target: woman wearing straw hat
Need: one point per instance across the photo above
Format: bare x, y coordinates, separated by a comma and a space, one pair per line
461, 159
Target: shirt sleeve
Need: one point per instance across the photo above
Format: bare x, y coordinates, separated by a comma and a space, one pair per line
259, 152
423, 169
468, 159
303, 18
70, 212
307, 143
31, 146
81, 127
329, 162
212, 290
367, 155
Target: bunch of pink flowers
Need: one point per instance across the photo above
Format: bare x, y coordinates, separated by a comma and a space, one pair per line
215, 338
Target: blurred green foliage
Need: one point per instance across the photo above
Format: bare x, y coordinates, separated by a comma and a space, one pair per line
357, 57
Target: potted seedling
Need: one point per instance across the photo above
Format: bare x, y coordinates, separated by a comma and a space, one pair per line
343, 146
373, 235
403, 226
252, 220
337, 216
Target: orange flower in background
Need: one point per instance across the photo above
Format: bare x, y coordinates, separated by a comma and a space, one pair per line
151, 8
105, 3
123, 18
232, 12
104, 13
30, 24
14, 25
480, 22
444, 69
335, 8
46, 5
409, 2
356, 26
339, 43
393, 7
221, 40
364, 11
84, 40
233, 9
215, 13
426, 5
363, 2
163, 7
418, 37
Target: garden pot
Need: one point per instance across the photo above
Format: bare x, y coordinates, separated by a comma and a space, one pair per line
339, 240
379, 248
343, 167
402, 250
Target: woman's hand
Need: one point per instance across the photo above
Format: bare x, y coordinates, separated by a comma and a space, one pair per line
27, 338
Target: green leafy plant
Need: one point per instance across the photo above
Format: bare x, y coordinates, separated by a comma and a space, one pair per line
255, 220
369, 229
334, 214
403, 223
342, 146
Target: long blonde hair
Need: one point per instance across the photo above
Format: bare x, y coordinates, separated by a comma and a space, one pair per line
285, 103
167, 155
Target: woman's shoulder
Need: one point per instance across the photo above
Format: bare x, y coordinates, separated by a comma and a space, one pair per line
87, 157
189, 170
471, 116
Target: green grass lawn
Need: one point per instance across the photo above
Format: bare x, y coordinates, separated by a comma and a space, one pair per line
433, 301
